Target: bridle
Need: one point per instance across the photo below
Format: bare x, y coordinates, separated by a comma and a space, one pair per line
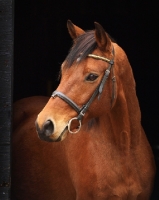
81, 111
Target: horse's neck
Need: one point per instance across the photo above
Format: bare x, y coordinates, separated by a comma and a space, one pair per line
121, 127
120, 123
125, 116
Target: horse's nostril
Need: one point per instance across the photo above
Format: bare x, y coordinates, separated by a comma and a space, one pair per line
48, 128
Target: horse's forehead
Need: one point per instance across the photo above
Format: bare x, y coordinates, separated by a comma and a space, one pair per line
74, 71
87, 65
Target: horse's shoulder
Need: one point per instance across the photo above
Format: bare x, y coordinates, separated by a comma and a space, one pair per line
27, 107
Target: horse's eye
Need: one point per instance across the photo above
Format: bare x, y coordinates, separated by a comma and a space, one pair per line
91, 77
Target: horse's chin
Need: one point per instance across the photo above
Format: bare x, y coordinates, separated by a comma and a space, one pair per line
52, 138
62, 136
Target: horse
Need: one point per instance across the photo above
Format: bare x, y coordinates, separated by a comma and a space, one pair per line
86, 141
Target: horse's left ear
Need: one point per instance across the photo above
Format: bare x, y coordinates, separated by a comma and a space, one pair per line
74, 30
102, 39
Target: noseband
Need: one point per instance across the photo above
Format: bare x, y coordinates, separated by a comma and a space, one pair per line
81, 111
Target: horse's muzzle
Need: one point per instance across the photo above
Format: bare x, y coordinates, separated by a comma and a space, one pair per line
46, 131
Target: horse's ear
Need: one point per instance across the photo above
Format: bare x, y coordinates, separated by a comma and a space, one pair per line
74, 30
102, 39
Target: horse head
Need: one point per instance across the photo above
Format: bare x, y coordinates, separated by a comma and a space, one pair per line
87, 88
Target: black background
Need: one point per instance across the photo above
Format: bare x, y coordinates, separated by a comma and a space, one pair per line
42, 42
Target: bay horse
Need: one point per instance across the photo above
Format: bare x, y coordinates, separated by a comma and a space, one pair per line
100, 150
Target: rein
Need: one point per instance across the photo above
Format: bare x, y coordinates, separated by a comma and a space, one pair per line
81, 111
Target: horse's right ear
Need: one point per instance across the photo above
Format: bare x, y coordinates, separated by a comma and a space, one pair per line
74, 30
102, 39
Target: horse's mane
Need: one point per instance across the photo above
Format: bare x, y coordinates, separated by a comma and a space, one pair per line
83, 45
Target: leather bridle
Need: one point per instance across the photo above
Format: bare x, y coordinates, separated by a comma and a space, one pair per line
81, 111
